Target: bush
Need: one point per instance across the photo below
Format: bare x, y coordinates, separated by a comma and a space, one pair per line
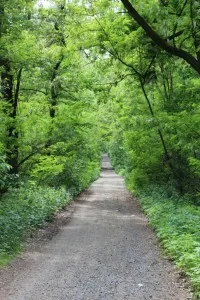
75, 173
5, 177
24, 208
176, 221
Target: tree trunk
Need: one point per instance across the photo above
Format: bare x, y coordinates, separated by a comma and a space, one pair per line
12, 99
53, 88
167, 155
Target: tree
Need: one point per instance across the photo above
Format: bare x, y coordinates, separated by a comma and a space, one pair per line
125, 54
13, 22
164, 43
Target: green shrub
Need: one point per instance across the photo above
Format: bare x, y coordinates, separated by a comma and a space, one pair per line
70, 171
176, 221
24, 208
5, 177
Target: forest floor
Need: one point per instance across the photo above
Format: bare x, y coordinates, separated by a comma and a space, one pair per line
100, 248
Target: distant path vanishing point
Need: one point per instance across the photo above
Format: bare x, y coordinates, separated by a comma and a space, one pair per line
106, 251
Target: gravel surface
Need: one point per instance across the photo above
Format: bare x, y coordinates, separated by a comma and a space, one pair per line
105, 251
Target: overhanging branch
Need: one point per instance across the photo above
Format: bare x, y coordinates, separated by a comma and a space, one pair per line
158, 40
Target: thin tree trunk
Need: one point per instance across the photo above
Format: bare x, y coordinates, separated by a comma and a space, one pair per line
167, 155
53, 101
13, 147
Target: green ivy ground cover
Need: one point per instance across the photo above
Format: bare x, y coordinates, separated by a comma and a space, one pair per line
177, 224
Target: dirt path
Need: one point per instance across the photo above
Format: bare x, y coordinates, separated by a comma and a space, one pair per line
106, 251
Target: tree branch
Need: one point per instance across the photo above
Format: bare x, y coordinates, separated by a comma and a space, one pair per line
26, 158
174, 35
36, 151
124, 63
16, 95
117, 81
150, 65
159, 41
34, 90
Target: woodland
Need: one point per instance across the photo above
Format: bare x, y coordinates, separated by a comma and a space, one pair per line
79, 78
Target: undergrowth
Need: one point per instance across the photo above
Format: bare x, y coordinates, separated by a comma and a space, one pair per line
176, 221
24, 208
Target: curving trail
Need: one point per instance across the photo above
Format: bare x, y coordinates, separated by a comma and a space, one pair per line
105, 252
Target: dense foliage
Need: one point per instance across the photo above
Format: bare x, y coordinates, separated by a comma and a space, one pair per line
79, 77
49, 132
153, 97
24, 208
176, 222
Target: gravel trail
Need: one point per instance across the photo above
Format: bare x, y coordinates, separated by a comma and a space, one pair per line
106, 251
